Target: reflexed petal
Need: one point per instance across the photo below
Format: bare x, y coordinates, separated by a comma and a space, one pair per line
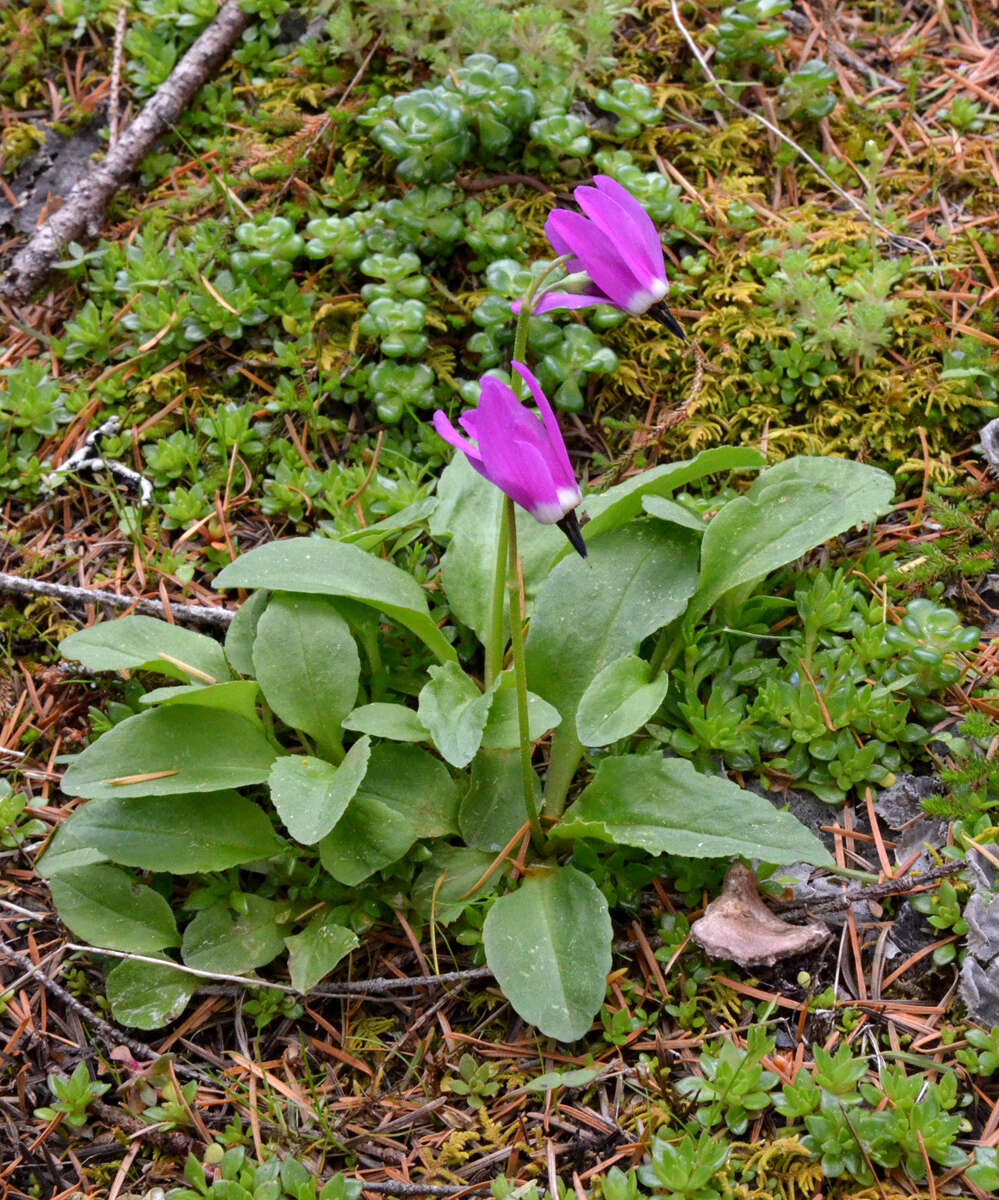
558, 243
616, 223
602, 261
501, 417
556, 454
642, 223
518, 469
552, 301
448, 432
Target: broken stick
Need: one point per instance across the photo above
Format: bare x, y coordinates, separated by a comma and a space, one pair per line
83, 209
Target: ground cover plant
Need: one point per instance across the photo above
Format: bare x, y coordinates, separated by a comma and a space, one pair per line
391, 808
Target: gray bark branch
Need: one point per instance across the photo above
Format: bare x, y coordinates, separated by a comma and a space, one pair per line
218, 618
82, 210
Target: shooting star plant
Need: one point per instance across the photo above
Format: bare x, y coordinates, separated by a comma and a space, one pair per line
613, 253
360, 778
527, 460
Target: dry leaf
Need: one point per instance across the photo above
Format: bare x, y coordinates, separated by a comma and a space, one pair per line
738, 926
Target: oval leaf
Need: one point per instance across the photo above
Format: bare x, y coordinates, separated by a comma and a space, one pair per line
171, 751
623, 502
591, 612
311, 795
443, 889
238, 696
454, 712
145, 643
395, 722
314, 952
230, 943
492, 810
321, 566
502, 731
549, 945
664, 805
621, 698
791, 508
406, 794
242, 630
110, 908
147, 996
180, 834
307, 664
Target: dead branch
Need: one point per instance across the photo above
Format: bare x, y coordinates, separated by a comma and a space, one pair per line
218, 618
83, 209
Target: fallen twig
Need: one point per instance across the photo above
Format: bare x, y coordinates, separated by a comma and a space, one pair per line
872, 891
218, 618
108, 1033
83, 209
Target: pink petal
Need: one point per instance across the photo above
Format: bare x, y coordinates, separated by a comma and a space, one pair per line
556, 300
518, 469
558, 243
643, 224
616, 225
448, 432
557, 455
601, 260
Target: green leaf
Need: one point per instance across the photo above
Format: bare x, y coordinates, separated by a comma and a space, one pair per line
619, 700
242, 630
307, 664
558, 1079
186, 750
110, 908
229, 943
469, 509
502, 731
663, 805
146, 996
179, 834
440, 888
320, 566
589, 613
238, 696
66, 851
454, 712
791, 508
311, 795
492, 810
145, 643
549, 945
623, 502
314, 952
664, 509
410, 517
406, 794
395, 722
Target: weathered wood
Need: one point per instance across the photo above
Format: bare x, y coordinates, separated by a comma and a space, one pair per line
82, 211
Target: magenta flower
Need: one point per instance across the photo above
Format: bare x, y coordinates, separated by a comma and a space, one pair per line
617, 246
523, 457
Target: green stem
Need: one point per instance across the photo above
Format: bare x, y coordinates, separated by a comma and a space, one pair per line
526, 311
565, 756
520, 675
494, 637
668, 647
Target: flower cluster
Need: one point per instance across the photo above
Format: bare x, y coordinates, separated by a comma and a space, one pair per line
614, 256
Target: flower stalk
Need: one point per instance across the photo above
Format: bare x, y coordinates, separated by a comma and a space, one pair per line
520, 673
